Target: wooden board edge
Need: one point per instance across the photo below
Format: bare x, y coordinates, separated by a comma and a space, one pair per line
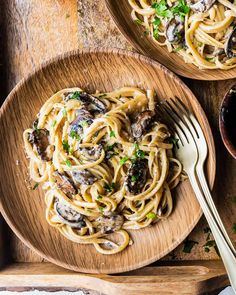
188, 278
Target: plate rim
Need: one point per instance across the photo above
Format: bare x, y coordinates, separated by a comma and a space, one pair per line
137, 47
142, 58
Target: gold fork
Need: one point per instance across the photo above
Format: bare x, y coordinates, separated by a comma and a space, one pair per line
191, 150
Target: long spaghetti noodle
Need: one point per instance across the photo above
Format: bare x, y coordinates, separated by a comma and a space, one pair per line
103, 168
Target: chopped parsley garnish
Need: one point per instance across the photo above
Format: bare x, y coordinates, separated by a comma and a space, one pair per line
75, 135
209, 244
110, 151
54, 123
124, 160
64, 112
156, 24
66, 146
101, 209
112, 134
162, 9
74, 95
138, 21
110, 147
68, 163
188, 245
178, 49
209, 58
151, 215
234, 199
174, 141
234, 228
134, 178
35, 186
109, 188
99, 197
181, 9
139, 153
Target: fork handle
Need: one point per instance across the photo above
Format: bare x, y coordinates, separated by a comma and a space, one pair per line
226, 253
211, 204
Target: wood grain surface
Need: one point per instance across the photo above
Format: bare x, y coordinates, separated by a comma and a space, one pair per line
30, 38
104, 70
121, 10
208, 275
87, 32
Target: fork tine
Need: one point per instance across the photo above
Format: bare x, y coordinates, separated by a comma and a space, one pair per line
178, 128
192, 118
186, 127
180, 121
185, 114
174, 127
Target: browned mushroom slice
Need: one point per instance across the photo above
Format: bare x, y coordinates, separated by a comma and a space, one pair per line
64, 183
94, 104
93, 153
201, 5
40, 139
230, 45
141, 124
83, 177
82, 119
110, 222
136, 177
175, 30
69, 216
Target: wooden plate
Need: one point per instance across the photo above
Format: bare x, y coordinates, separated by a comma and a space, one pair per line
24, 209
120, 12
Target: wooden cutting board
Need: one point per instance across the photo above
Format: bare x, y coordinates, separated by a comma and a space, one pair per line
35, 31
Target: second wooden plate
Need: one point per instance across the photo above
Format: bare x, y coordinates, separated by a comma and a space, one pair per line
120, 12
24, 209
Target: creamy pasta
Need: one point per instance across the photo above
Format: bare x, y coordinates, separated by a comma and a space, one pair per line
105, 162
202, 32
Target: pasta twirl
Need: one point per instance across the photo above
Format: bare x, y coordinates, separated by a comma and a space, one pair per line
105, 162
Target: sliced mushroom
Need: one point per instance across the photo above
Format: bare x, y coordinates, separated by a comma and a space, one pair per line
110, 222
93, 153
201, 5
141, 124
136, 177
175, 30
83, 177
40, 139
65, 184
83, 117
230, 45
69, 216
71, 95
94, 104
